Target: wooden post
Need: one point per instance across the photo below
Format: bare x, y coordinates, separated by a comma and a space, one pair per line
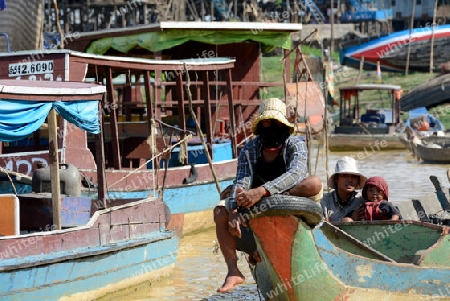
113, 119
202, 10
158, 87
54, 168
341, 105
411, 26
148, 96
432, 37
394, 108
231, 112
287, 67
181, 111
145, 13
332, 30
295, 11
100, 159
212, 10
288, 9
356, 115
207, 108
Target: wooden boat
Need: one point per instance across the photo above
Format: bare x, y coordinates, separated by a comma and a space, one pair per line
372, 130
129, 154
402, 260
428, 94
59, 244
190, 204
392, 50
420, 125
433, 149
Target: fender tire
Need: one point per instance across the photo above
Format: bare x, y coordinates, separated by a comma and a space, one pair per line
283, 205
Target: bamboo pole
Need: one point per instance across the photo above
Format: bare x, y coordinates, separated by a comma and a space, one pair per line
58, 25
332, 30
432, 37
295, 11
54, 168
411, 26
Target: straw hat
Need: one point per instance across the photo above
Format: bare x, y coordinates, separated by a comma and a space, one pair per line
272, 108
347, 165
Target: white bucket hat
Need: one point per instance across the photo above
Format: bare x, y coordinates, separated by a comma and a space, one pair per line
347, 165
272, 108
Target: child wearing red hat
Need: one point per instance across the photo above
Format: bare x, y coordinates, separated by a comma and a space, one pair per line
376, 193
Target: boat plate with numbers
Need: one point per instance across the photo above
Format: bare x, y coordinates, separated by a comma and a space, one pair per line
27, 68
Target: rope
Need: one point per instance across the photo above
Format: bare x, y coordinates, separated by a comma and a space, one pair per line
153, 158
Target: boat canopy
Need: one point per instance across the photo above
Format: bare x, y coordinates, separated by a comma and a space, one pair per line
158, 41
24, 106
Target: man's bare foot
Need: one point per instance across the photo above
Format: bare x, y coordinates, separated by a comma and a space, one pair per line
230, 282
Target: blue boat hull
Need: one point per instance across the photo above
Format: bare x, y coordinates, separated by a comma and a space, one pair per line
143, 260
119, 247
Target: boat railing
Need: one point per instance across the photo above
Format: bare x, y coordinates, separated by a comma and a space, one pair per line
360, 129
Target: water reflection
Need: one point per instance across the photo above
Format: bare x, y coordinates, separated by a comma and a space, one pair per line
199, 270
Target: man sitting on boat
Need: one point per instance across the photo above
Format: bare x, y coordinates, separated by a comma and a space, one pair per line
274, 162
344, 199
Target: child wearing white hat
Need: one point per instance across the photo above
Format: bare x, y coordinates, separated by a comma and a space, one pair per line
344, 199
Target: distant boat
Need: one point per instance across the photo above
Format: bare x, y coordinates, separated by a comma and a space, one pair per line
372, 130
420, 124
419, 115
428, 94
433, 149
392, 50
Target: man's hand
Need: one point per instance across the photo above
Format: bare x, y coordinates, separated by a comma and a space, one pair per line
248, 198
234, 222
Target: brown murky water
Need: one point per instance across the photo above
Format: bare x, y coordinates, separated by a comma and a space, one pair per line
199, 270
